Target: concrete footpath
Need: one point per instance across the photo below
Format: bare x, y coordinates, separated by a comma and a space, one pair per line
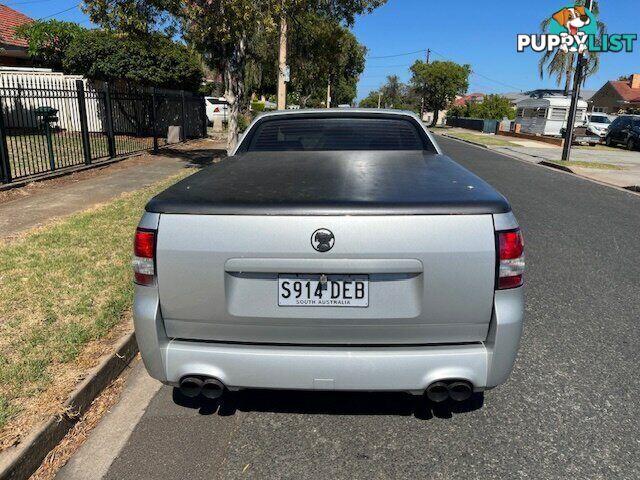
38, 203
624, 166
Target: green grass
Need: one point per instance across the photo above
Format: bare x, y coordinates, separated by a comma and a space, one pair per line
596, 165
29, 154
63, 286
489, 140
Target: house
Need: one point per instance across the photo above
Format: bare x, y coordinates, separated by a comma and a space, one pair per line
476, 97
617, 96
13, 51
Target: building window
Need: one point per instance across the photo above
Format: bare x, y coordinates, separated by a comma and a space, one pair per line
599, 110
558, 113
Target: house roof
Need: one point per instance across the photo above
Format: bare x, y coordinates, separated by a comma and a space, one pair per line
472, 97
625, 91
9, 20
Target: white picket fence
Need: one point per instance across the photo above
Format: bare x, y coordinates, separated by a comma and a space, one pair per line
23, 90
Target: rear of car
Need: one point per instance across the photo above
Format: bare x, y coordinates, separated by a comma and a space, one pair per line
216, 108
333, 251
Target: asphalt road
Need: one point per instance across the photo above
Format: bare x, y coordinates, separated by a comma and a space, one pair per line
570, 409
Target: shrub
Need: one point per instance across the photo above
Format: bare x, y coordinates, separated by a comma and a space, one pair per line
152, 60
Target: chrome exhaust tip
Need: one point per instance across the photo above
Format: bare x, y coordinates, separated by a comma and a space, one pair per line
212, 388
460, 391
190, 386
437, 392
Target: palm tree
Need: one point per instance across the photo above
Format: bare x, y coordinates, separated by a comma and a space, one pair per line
561, 65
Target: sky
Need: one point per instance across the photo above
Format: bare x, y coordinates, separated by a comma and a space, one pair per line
482, 34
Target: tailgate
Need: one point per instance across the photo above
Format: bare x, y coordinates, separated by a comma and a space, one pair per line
430, 278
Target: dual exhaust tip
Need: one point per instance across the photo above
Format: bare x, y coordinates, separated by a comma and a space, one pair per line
209, 387
456, 390
437, 392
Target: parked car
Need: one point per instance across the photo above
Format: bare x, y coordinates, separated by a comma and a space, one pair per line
597, 124
625, 130
334, 250
216, 107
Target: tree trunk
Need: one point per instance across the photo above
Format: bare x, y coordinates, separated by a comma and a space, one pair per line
233, 72
436, 114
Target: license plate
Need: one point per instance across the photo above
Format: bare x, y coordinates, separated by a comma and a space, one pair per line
315, 290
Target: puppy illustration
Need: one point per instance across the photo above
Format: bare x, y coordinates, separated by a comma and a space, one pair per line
573, 19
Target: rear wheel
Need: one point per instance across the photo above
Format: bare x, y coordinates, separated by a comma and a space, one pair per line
631, 144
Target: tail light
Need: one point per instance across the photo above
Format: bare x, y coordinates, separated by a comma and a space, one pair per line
144, 253
216, 110
511, 259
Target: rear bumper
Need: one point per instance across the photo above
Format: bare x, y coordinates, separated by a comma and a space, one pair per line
410, 369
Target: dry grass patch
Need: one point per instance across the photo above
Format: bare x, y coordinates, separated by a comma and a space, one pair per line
596, 165
65, 287
489, 140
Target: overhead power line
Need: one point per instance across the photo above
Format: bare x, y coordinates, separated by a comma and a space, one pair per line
398, 55
25, 3
60, 12
483, 76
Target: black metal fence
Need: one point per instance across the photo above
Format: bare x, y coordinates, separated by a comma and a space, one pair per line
43, 129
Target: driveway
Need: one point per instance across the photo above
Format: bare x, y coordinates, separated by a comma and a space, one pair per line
570, 409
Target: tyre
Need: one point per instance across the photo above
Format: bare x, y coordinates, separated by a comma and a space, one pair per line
608, 141
631, 144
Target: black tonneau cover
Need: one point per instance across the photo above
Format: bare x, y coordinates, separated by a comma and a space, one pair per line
332, 183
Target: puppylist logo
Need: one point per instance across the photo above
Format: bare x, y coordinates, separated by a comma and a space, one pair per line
575, 29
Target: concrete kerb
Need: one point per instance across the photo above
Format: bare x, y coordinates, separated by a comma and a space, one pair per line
20, 461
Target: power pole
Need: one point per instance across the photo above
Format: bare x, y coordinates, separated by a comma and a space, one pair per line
575, 97
329, 93
422, 96
282, 64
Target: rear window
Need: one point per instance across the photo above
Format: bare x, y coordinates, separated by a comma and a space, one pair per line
600, 119
323, 134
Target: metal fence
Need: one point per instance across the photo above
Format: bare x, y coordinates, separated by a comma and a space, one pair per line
45, 129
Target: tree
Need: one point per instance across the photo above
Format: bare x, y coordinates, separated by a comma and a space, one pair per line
371, 100
494, 107
320, 51
152, 59
438, 83
224, 30
346, 68
226, 27
133, 16
561, 65
49, 40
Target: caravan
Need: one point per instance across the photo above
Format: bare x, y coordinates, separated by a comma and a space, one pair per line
547, 115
